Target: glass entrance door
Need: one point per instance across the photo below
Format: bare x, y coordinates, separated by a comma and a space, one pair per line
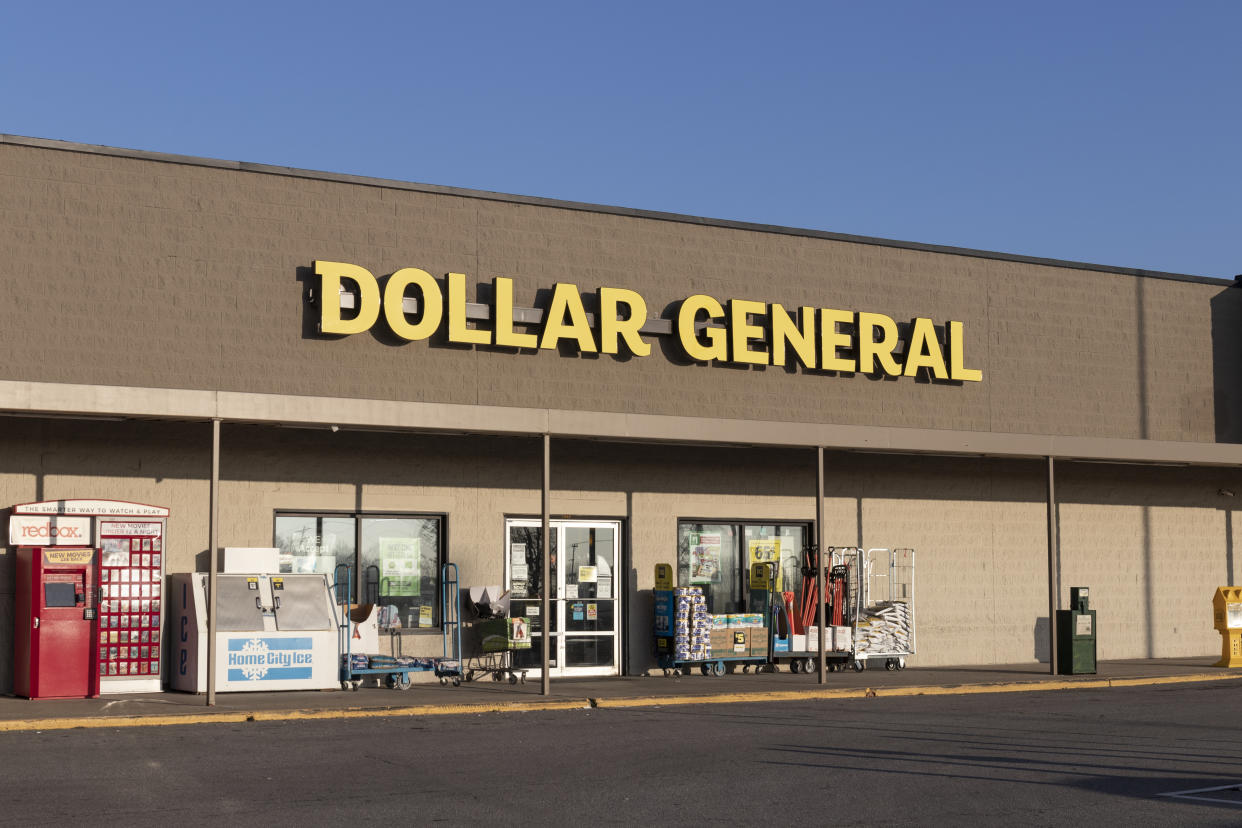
586, 611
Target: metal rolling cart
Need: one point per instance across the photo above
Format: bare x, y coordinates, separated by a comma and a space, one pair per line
498, 639
395, 670
801, 650
495, 635
710, 666
685, 637
884, 625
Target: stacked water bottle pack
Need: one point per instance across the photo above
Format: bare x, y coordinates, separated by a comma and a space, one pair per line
692, 626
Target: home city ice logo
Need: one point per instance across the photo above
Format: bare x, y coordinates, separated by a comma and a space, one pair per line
269, 659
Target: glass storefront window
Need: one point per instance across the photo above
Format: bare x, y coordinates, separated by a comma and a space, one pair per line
708, 556
526, 561
396, 560
589, 554
793, 540
717, 557
315, 543
400, 563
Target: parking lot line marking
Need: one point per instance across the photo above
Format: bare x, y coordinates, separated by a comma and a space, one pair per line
1193, 794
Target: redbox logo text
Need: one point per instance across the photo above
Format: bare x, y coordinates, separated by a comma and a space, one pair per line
49, 531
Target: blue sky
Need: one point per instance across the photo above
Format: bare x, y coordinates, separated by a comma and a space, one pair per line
1100, 132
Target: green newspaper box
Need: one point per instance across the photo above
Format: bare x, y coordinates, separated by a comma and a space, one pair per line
1076, 642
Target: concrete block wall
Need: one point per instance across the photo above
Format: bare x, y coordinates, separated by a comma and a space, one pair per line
163, 464
1153, 544
180, 275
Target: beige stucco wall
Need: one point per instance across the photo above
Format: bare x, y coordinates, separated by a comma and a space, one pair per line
978, 526
133, 272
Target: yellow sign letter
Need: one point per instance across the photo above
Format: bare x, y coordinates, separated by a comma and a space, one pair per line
831, 341
924, 350
741, 331
610, 327
957, 356
784, 332
502, 288
458, 332
430, 303
330, 276
870, 349
716, 347
566, 299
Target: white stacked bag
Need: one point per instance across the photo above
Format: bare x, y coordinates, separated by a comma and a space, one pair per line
885, 628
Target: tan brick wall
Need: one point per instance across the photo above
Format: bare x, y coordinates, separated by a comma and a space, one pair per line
158, 463
1153, 545
121, 271
977, 525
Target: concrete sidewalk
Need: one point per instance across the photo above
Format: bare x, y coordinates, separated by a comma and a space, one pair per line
482, 696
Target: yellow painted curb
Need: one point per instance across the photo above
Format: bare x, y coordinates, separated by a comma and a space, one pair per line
426, 710
927, 690
736, 698
292, 715
1173, 679
536, 705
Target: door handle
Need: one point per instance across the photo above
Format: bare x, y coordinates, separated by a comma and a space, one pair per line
258, 604
276, 602
36, 622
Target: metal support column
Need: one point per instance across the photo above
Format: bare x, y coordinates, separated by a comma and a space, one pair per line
819, 559
545, 602
213, 543
1053, 592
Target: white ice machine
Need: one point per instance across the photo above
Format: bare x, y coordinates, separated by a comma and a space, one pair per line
273, 632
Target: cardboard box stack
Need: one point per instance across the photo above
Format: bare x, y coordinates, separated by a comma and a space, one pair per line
836, 639
749, 626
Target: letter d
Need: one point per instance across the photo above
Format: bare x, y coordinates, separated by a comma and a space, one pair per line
331, 274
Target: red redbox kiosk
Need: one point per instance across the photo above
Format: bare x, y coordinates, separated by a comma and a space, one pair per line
117, 548
57, 621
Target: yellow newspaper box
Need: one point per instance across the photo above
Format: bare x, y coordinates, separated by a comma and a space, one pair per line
1227, 614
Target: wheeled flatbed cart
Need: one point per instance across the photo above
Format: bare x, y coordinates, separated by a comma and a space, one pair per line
807, 661
394, 671
711, 666
842, 565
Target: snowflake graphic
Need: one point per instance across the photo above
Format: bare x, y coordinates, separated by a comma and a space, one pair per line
254, 672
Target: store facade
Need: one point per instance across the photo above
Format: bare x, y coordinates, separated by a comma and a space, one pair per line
386, 359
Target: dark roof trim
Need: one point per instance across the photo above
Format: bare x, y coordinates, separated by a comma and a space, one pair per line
293, 172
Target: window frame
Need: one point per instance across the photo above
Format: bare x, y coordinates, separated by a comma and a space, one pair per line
359, 583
